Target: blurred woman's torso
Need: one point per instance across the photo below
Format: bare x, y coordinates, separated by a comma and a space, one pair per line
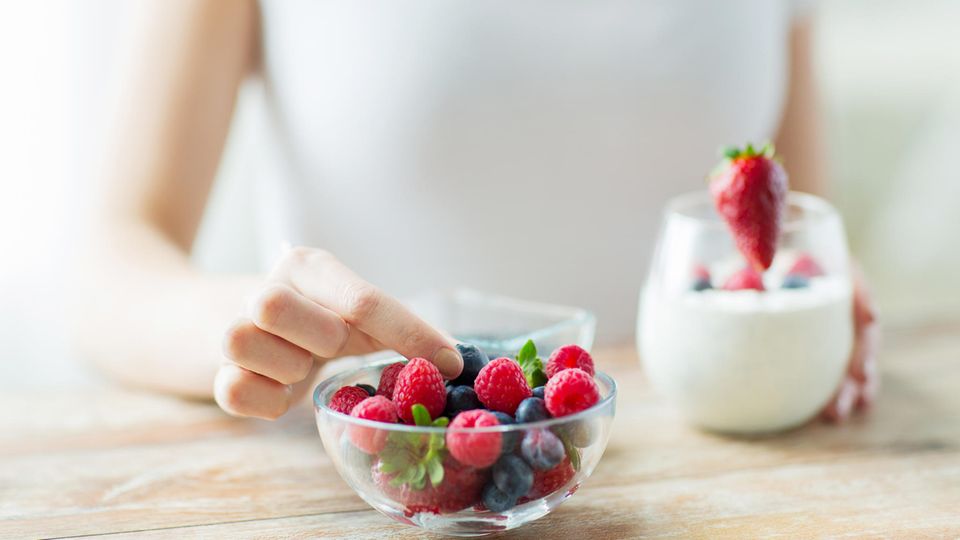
522, 148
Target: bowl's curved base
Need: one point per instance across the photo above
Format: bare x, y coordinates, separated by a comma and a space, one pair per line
469, 522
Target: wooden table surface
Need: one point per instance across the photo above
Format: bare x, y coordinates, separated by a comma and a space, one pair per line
109, 461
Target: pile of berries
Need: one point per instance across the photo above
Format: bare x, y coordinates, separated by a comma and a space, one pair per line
798, 276
471, 465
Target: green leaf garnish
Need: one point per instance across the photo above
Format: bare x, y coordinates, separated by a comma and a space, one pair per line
532, 365
435, 470
527, 353
572, 453
732, 152
535, 374
421, 416
415, 457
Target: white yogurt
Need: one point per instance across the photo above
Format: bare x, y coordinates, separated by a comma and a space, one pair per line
748, 361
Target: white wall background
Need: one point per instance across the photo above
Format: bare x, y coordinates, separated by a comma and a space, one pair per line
890, 74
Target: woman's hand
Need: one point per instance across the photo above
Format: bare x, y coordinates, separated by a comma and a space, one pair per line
860, 385
314, 308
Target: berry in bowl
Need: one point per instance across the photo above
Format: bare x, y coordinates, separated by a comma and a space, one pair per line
501, 445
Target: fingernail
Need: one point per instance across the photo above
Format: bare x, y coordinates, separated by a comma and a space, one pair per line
448, 361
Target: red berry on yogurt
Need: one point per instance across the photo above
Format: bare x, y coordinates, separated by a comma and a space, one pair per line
748, 278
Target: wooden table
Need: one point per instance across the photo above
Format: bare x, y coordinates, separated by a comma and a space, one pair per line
89, 462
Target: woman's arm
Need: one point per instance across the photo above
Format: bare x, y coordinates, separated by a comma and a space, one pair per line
141, 312
798, 139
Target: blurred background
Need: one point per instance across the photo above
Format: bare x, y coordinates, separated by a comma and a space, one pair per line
889, 75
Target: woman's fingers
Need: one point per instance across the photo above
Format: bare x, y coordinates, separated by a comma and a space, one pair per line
842, 403
322, 278
282, 311
266, 354
862, 381
245, 393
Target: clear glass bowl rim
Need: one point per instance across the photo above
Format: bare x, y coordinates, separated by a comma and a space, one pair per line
322, 408
813, 209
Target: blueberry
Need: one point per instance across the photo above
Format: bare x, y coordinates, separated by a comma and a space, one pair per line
459, 399
701, 284
510, 440
512, 476
542, 449
473, 361
370, 390
532, 409
795, 281
496, 500
540, 392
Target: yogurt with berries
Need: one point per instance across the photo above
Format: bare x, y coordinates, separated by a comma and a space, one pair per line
748, 361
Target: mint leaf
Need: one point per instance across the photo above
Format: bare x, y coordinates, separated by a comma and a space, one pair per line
572, 453
421, 416
435, 470
527, 353
532, 365
420, 474
535, 374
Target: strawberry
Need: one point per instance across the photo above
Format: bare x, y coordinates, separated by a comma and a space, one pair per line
749, 190
458, 488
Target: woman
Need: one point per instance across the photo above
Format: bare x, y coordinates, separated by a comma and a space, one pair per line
525, 149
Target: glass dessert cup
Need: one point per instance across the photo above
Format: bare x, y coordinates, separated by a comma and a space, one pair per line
461, 512
746, 361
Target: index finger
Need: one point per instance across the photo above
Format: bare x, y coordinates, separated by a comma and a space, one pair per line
327, 281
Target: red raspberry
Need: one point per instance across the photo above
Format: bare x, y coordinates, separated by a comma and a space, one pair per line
346, 398
460, 488
570, 391
748, 278
388, 380
806, 266
546, 482
474, 449
569, 356
377, 408
419, 382
501, 386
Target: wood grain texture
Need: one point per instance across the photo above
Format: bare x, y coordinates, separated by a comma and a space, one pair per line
95, 461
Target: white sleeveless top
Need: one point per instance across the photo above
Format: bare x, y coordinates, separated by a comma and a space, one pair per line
524, 148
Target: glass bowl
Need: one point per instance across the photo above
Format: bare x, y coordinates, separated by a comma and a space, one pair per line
456, 508
500, 325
